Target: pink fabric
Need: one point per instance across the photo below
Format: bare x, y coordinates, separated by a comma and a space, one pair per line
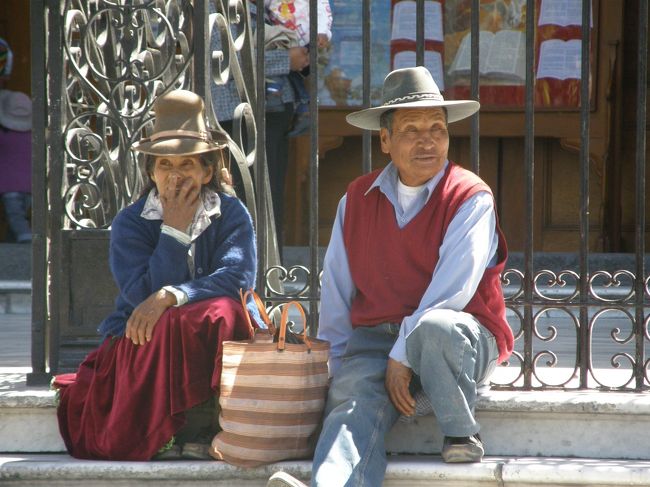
127, 401
15, 161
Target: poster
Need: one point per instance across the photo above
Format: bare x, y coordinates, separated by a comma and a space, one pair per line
447, 50
502, 52
341, 73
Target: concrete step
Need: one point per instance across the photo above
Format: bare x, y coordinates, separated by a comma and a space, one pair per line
549, 424
41, 470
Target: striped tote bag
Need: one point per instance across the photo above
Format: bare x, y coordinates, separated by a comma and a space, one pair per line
272, 394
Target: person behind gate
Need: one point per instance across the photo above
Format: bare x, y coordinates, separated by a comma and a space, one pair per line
411, 298
179, 256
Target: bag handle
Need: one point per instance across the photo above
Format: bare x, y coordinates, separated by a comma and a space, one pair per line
260, 307
283, 325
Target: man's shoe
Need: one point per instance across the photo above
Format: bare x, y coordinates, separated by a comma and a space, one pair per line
466, 449
283, 479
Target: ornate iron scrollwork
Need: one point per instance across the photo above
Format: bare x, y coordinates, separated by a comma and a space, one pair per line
118, 56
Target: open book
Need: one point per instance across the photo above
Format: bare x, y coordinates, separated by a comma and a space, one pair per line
560, 59
404, 18
501, 56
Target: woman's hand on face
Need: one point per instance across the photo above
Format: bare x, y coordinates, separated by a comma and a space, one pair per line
179, 201
140, 325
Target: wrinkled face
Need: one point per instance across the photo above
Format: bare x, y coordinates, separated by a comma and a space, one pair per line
177, 169
418, 144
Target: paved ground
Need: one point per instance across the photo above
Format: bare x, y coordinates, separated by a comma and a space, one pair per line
15, 340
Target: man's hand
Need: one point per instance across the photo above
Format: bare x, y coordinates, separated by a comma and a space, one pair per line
398, 378
179, 201
298, 58
142, 321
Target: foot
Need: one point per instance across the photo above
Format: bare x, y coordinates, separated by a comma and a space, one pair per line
465, 449
283, 479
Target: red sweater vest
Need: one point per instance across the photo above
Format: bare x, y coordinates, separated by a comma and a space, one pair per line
392, 267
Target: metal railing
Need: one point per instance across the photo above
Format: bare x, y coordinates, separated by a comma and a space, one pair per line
94, 85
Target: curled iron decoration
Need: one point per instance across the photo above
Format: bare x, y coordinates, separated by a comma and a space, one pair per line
119, 55
612, 282
646, 365
557, 283
615, 359
518, 332
294, 281
233, 73
551, 356
512, 282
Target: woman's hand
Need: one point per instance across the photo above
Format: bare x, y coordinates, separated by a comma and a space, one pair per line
140, 325
179, 201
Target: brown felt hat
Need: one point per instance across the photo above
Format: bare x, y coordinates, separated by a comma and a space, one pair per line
180, 128
411, 88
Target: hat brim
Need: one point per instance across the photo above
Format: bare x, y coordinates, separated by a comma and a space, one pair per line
456, 110
177, 147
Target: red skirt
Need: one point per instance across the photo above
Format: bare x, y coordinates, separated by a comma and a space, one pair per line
127, 401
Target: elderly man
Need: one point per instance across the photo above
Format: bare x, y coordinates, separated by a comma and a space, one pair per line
411, 295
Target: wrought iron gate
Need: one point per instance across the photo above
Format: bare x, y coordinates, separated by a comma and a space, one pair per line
104, 63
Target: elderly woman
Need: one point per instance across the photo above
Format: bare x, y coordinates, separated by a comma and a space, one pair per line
179, 256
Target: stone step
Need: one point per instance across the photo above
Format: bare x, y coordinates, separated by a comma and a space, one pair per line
584, 424
41, 470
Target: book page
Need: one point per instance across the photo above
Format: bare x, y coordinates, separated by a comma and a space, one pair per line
404, 14
462, 61
559, 59
432, 61
562, 12
506, 54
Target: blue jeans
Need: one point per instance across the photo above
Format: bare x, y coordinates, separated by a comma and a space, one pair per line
450, 353
16, 205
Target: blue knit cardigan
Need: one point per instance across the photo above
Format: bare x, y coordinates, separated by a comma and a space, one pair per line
143, 260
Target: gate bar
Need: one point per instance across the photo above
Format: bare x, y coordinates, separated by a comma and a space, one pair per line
529, 176
366, 137
474, 83
642, 95
39, 375
585, 105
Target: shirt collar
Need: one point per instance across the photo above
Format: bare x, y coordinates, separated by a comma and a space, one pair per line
209, 206
387, 181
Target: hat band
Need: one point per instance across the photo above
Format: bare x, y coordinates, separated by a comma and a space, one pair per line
190, 134
417, 96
